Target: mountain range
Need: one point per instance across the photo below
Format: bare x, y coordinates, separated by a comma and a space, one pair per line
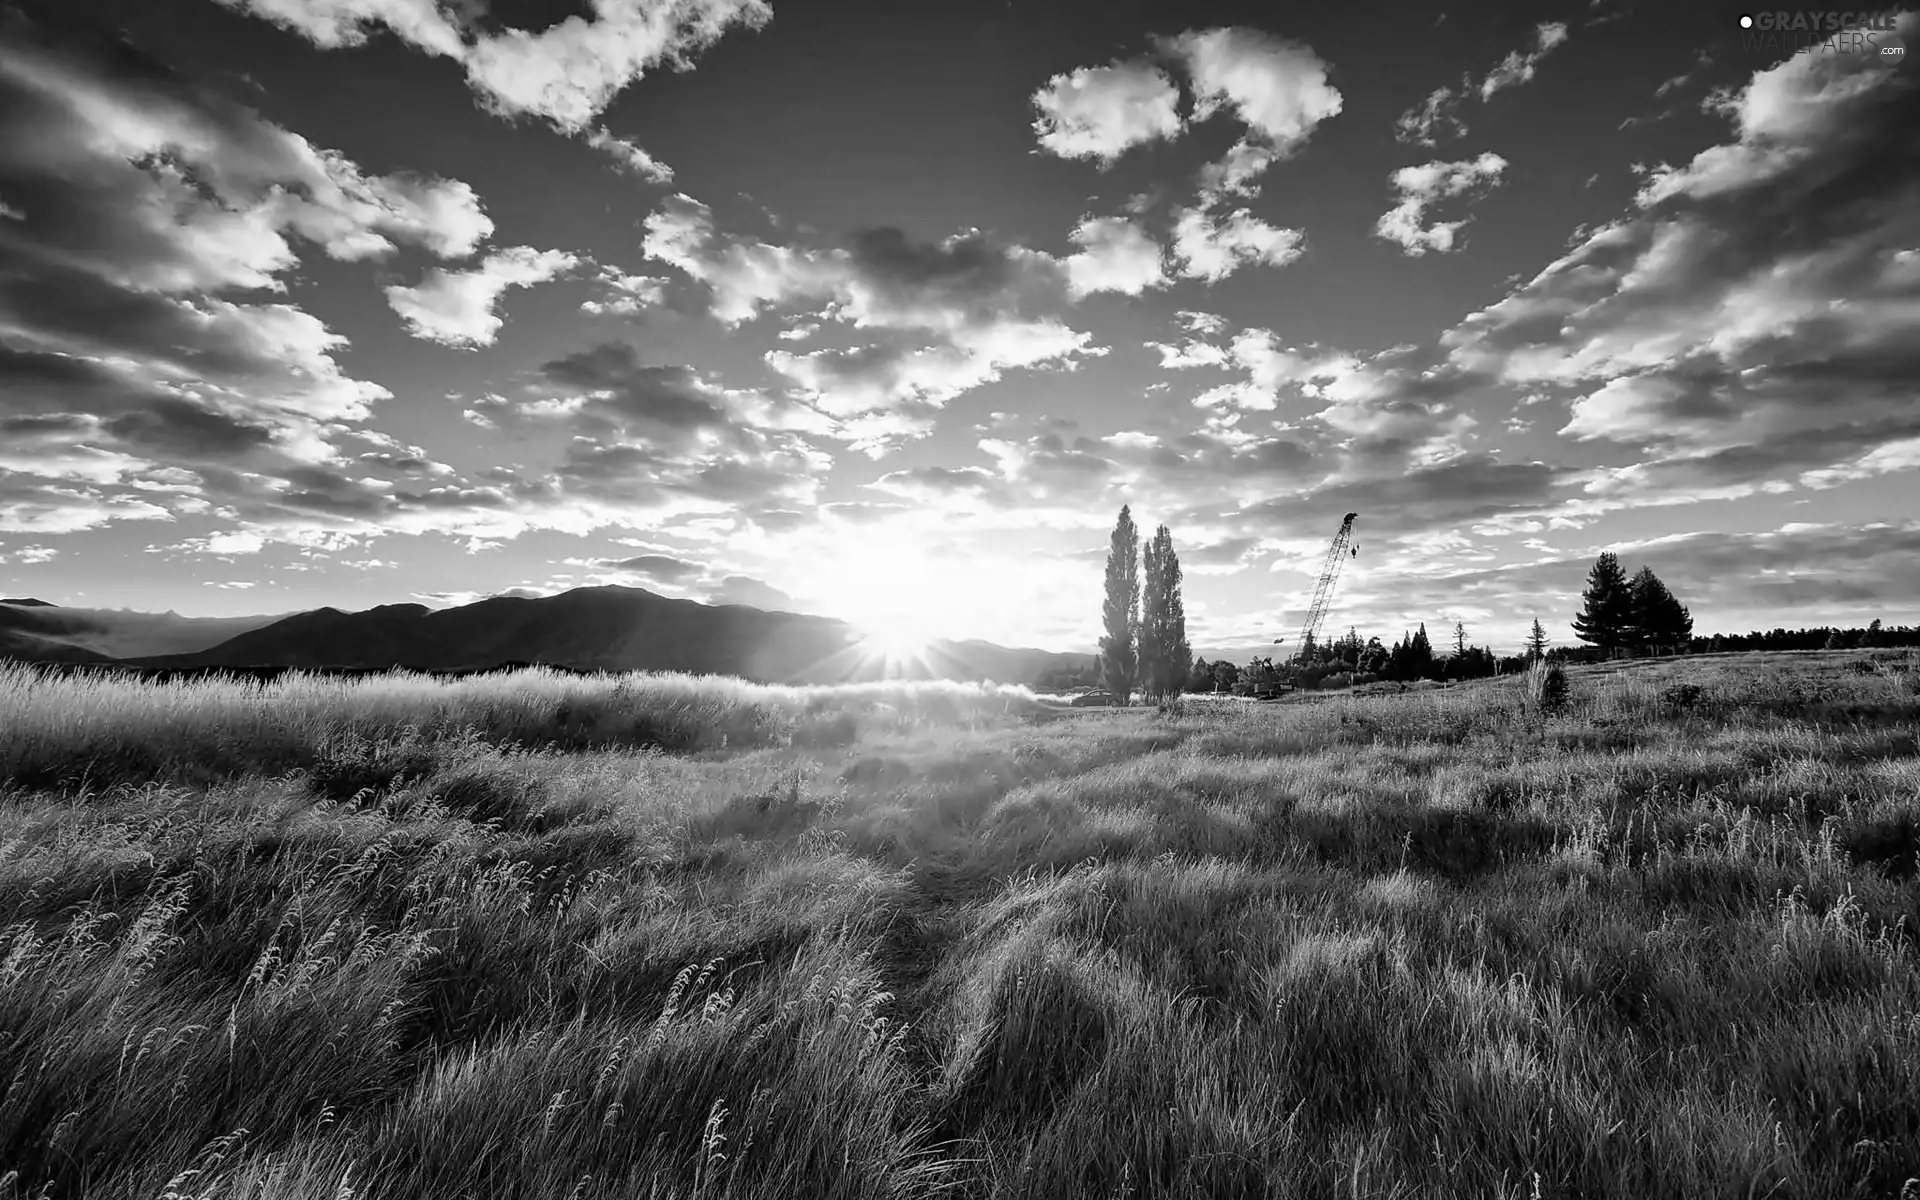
592, 628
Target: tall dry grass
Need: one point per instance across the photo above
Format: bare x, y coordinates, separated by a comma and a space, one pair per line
1658, 943
105, 729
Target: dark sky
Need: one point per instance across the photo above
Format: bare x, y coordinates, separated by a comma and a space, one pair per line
883, 310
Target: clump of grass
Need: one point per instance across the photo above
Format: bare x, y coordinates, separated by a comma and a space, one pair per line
1547, 686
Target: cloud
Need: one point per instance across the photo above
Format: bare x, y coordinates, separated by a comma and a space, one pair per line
617, 393
905, 369
1213, 247
1421, 187
744, 273
1115, 255
755, 593
137, 179
566, 74
1749, 316
629, 157
29, 555
625, 294
936, 318
456, 308
1518, 66
1437, 116
1276, 87
1438, 496
1100, 112
1432, 119
662, 567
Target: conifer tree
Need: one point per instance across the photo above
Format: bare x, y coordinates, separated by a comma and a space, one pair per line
1658, 618
1606, 620
1536, 642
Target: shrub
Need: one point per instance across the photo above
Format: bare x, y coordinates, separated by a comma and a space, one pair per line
1682, 695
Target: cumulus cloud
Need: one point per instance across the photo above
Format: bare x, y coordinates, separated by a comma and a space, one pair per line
1278, 90
456, 308
1100, 112
1115, 255
1276, 87
1420, 188
1437, 116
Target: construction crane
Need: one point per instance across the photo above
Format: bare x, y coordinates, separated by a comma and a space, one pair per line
1337, 555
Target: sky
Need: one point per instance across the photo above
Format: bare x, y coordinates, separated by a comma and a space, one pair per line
883, 310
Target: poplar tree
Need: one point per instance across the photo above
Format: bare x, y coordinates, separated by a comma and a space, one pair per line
1165, 657
1119, 659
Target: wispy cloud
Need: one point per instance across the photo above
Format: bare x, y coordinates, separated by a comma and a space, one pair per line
1437, 117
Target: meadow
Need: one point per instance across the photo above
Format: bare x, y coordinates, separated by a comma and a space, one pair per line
656, 936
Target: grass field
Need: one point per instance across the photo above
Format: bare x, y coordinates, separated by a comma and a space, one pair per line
544, 936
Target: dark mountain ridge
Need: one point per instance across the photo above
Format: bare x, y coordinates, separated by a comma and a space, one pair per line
593, 628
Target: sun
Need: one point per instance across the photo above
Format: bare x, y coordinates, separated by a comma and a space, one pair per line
894, 638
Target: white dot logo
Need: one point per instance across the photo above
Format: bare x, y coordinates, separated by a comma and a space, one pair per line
1746, 22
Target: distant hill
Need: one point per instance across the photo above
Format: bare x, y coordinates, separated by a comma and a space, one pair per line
42, 632
603, 628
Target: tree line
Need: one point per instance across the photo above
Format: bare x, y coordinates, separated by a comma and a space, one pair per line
1146, 649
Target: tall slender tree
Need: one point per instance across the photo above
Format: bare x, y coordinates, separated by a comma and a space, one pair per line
1153, 602
1165, 657
1175, 651
1606, 618
1119, 658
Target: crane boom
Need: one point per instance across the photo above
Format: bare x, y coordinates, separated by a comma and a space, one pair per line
1337, 555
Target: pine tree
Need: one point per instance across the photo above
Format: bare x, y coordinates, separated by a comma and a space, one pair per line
1120, 613
1459, 639
1536, 642
1606, 620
